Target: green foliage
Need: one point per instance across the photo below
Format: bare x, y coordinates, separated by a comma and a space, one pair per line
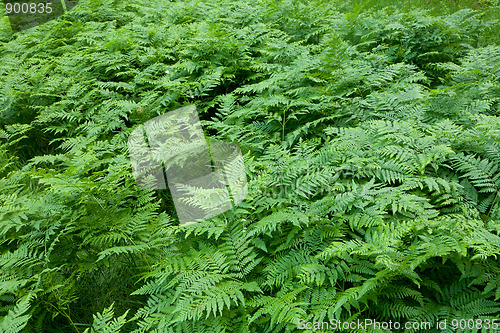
371, 143
104, 322
17, 318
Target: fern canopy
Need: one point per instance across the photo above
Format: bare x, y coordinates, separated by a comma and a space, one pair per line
371, 141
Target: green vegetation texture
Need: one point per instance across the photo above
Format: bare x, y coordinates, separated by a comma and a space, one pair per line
371, 140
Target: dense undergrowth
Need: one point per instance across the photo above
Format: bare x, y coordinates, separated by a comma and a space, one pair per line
371, 139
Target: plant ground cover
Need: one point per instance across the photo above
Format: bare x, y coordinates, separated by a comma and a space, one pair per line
371, 140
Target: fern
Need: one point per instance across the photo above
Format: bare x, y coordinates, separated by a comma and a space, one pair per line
370, 141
